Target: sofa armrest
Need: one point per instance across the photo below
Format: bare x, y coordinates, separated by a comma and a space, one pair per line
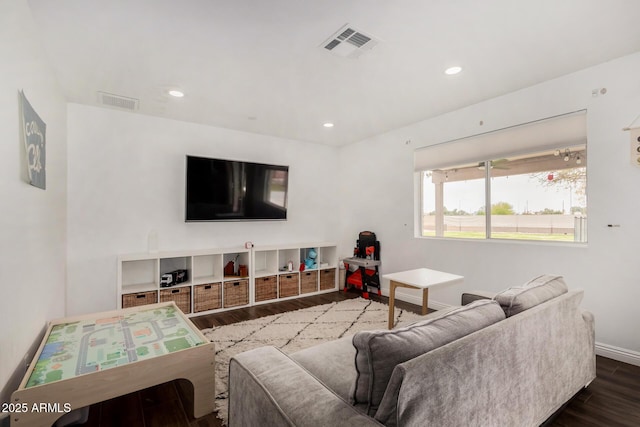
588, 317
471, 296
267, 387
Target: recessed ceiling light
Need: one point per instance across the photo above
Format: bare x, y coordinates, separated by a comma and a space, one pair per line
328, 125
453, 70
176, 93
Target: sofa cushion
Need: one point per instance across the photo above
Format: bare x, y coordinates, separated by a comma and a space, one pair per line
378, 352
322, 361
536, 291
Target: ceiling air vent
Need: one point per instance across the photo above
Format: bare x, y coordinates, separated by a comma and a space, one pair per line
349, 42
118, 101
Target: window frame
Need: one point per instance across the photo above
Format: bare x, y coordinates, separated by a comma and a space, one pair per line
580, 148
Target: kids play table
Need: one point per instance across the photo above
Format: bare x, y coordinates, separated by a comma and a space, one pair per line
92, 358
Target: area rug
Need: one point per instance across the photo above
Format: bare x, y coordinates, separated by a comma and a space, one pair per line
295, 330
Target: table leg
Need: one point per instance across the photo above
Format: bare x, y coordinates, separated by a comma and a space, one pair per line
425, 298
392, 297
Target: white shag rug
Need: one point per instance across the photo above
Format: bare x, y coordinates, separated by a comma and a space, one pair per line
295, 330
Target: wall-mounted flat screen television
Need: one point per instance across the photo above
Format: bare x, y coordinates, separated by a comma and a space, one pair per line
230, 190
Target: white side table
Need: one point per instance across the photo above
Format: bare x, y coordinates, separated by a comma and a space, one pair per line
421, 278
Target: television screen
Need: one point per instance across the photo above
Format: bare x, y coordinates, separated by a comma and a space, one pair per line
229, 190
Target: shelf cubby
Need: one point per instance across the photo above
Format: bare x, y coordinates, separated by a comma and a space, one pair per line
309, 252
265, 263
286, 255
238, 259
140, 275
207, 268
328, 257
167, 265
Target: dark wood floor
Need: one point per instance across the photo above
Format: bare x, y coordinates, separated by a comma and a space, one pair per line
612, 399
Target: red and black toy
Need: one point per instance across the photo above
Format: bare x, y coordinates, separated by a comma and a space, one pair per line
365, 261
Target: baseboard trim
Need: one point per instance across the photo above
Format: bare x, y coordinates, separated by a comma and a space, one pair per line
417, 300
436, 305
616, 353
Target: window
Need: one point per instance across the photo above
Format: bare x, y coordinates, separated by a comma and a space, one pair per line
524, 182
535, 196
453, 201
275, 191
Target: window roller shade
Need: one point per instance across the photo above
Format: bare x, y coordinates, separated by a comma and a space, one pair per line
555, 132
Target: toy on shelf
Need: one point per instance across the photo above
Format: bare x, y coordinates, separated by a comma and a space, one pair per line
310, 260
174, 278
362, 269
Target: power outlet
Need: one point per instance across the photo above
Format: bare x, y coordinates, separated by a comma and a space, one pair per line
598, 91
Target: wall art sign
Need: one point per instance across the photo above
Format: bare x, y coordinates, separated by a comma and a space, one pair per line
35, 144
635, 145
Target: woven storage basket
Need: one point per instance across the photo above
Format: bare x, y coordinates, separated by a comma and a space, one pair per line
181, 296
308, 282
140, 298
288, 285
207, 297
328, 279
236, 293
266, 288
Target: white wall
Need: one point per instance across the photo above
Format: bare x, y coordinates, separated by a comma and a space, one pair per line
32, 221
126, 178
607, 268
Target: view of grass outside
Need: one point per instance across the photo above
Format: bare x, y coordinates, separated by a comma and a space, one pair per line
555, 227
499, 235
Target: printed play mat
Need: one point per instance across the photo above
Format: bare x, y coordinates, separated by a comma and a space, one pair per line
91, 345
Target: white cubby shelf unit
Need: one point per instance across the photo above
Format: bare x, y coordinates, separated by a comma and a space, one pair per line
274, 281
209, 288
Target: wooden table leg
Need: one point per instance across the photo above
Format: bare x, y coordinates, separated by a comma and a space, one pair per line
392, 298
425, 298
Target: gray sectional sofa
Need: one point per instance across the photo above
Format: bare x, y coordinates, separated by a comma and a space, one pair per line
508, 361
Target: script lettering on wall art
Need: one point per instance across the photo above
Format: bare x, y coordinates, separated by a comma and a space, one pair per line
34, 141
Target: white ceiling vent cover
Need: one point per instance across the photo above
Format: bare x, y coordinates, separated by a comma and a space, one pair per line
349, 42
118, 101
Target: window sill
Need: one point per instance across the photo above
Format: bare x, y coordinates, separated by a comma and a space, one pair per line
510, 241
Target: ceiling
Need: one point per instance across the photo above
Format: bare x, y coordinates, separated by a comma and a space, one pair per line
258, 66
